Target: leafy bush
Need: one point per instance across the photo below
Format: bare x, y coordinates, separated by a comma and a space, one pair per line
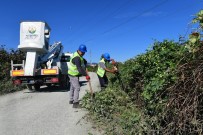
5, 66
163, 87
144, 77
6, 86
114, 109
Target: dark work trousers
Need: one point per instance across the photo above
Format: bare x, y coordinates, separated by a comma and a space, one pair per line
103, 81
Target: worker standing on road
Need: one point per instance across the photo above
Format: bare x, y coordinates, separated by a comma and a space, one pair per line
102, 69
77, 68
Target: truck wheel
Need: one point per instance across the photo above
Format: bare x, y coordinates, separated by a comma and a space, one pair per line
64, 83
36, 86
29, 87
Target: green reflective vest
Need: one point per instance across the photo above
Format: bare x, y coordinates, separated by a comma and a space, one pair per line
72, 69
100, 70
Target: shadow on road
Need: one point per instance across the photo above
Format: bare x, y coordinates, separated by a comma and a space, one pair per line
54, 88
49, 89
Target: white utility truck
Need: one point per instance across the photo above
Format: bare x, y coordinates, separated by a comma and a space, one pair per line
45, 64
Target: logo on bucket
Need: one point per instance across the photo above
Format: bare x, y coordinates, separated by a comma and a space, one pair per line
32, 30
31, 33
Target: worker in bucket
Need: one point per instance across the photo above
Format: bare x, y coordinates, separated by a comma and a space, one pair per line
102, 69
77, 68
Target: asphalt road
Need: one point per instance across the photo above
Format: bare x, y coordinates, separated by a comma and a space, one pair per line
45, 113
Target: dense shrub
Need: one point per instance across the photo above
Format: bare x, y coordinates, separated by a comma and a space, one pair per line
5, 66
164, 89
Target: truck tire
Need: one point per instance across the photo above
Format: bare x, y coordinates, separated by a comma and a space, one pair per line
64, 83
36, 86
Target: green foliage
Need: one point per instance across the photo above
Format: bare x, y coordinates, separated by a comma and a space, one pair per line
5, 66
199, 18
148, 74
145, 78
163, 91
140, 109
159, 65
105, 101
116, 111
195, 37
6, 86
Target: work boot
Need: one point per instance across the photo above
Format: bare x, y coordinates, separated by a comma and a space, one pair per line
76, 105
70, 102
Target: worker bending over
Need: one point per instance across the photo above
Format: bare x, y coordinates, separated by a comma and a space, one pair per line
102, 69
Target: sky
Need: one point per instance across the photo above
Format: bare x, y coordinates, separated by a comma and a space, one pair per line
122, 28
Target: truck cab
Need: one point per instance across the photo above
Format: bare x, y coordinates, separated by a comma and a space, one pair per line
65, 61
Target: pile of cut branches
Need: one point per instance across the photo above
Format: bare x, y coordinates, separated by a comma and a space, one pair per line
184, 109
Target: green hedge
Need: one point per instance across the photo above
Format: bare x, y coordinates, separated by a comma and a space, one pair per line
6, 56
163, 91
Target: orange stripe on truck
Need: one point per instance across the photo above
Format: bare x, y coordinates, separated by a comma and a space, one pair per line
17, 72
49, 71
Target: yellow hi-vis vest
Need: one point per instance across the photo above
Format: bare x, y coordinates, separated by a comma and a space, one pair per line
72, 70
100, 70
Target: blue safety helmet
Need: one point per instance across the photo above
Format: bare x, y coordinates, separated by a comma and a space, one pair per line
82, 48
106, 56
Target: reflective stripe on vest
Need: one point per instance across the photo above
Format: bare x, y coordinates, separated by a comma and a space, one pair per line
72, 70
100, 70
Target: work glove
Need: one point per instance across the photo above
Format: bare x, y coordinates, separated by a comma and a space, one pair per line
87, 77
113, 71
